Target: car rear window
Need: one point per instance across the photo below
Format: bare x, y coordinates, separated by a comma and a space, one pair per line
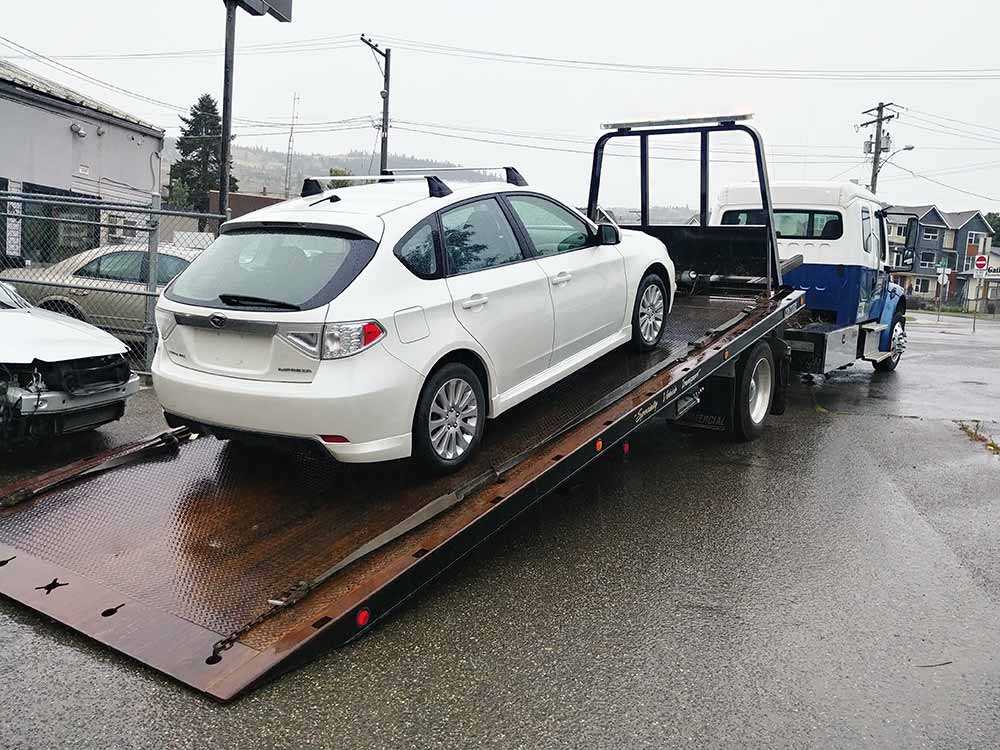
304, 268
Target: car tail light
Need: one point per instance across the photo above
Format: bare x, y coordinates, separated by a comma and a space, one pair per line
345, 339
165, 323
332, 340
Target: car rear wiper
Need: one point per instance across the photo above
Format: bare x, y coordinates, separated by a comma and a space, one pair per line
245, 300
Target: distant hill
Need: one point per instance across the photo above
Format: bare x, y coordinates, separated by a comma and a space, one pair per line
262, 170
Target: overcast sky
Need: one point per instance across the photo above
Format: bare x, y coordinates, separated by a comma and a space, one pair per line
808, 124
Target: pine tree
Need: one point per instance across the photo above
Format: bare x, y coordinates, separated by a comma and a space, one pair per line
200, 146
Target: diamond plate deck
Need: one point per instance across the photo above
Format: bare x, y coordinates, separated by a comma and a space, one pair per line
164, 557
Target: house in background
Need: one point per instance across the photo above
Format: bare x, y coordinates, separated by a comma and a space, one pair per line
949, 239
60, 143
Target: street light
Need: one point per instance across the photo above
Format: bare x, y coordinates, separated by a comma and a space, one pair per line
885, 161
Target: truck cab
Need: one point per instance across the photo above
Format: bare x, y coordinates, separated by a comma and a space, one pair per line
839, 231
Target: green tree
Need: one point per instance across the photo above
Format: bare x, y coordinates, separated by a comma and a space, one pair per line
340, 172
994, 219
199, 169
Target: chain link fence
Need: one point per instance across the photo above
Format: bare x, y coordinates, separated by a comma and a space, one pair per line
103, 263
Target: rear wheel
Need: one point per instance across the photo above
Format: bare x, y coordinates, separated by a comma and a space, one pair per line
63, 308
897, 343
451, 413
649, 313
755, 381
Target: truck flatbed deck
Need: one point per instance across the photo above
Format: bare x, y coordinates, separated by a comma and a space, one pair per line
216, 563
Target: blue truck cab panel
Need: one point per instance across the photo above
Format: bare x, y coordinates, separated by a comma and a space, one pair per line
840, 232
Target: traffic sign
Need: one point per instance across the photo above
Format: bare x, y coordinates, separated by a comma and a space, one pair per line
979, 267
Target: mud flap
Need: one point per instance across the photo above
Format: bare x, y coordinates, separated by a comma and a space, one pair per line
782, 364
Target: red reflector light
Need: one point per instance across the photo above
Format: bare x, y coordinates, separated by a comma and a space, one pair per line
334, 439
363, 617
371, 333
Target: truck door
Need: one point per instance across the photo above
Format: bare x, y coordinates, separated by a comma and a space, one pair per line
868, 282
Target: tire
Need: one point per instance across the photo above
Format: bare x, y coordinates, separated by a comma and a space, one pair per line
63, 308
649, 313
755, 381
449, 393
890, 364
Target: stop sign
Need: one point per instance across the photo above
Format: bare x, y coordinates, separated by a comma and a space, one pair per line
980, 262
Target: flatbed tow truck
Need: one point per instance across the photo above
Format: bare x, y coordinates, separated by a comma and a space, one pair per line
223, 565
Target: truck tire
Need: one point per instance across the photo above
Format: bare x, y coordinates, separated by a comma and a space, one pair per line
451, 413
649, 313
755, 381
890, 364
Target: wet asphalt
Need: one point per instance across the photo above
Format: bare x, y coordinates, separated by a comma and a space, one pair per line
834, 584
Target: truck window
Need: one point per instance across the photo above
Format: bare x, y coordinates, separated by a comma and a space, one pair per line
792, 224
866, 229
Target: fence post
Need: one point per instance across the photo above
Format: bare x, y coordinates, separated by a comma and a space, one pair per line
153, 244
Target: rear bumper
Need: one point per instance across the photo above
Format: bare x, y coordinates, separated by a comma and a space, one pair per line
368, 399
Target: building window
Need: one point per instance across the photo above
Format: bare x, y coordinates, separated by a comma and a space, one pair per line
969, 261
124, 229
922, 285
974, 242
897, 258
930, 234
899, 230
927, 260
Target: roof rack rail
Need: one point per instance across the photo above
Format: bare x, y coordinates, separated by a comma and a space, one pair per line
511, 175
314, 185
707, 120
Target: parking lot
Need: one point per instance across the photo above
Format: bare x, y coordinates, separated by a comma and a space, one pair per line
835, 583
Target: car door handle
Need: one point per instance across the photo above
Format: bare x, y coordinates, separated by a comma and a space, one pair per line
476, 300
563, 277
80, 292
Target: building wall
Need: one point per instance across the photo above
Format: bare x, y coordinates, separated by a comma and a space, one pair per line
39, 147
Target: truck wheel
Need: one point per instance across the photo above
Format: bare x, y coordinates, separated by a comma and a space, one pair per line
897, 343
648, 314
755, 383
451, 413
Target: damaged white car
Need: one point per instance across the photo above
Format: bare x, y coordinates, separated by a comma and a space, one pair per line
57, 375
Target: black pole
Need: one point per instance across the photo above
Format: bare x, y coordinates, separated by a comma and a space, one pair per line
643, 181
227, 106
877, 151
703, 203
384, 160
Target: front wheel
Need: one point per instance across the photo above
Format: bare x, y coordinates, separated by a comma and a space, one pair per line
897, 343
450, 417
755, 381
649, 313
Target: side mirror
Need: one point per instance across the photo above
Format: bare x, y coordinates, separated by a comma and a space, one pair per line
912, 225
608, 234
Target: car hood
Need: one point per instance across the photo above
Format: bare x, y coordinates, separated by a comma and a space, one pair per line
30, 334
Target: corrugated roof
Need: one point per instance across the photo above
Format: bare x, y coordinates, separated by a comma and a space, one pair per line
32, 81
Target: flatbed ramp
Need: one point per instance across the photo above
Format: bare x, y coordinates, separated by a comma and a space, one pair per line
203, 561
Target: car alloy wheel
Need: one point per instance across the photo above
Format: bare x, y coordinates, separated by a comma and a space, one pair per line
453, 419
651, 313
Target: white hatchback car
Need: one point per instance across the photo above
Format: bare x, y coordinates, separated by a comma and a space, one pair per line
381, 321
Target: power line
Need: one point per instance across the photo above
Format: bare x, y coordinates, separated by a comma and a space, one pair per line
952, 119
945, 184
340, 41
943, 74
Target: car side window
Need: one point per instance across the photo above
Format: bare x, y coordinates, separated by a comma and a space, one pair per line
417, 251
123, 266
552, 228
477, 235
167, 267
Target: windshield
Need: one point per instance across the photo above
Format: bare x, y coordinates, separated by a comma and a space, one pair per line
272, 269
11, 300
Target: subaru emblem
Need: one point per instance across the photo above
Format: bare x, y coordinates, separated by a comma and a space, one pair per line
218, 320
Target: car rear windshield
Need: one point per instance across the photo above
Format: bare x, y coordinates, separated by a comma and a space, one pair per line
273, 268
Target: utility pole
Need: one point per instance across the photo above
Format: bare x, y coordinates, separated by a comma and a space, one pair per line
880, 117
291, 143
386, 56
227, 106
279, 9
